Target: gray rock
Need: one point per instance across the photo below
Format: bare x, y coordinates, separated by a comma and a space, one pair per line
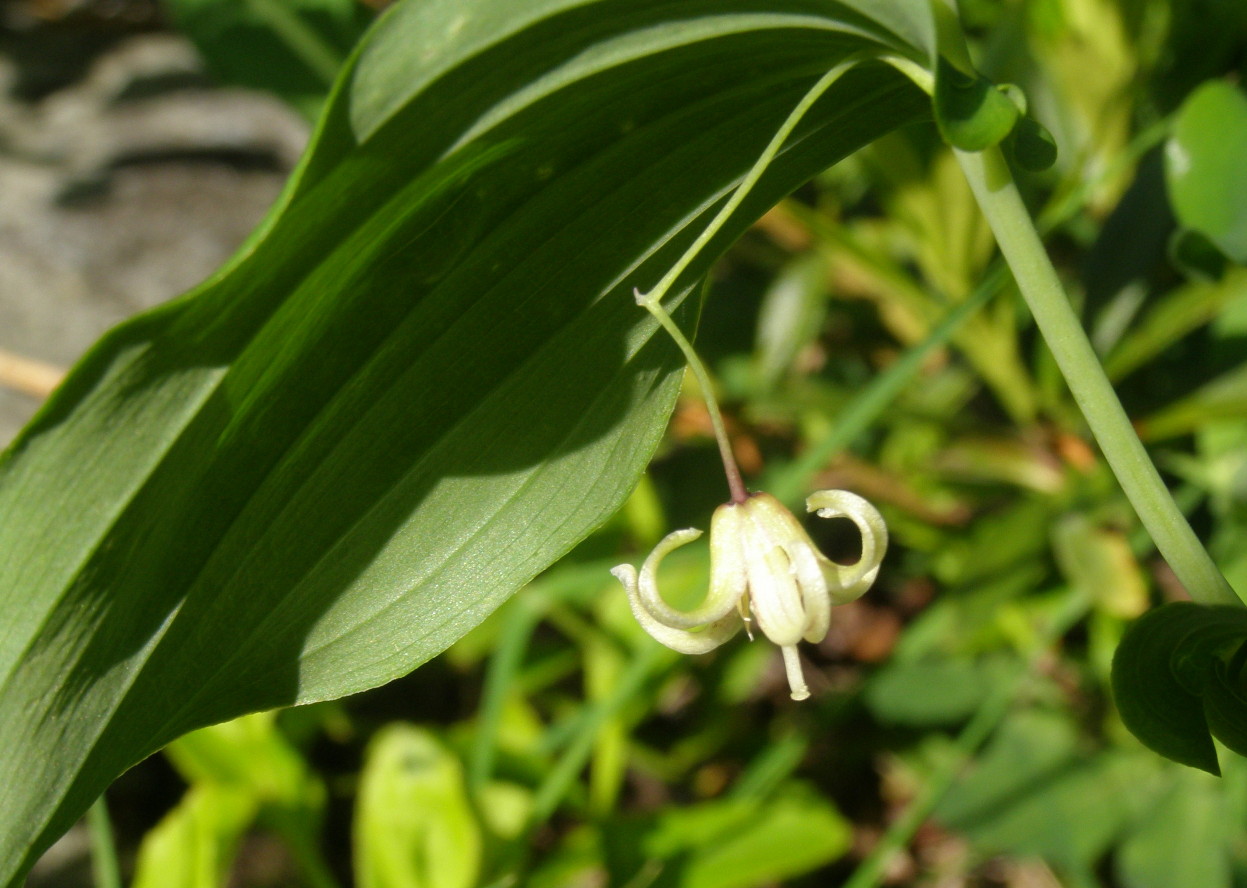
117, 193
123, 190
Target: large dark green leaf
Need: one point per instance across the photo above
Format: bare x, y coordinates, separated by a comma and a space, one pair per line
1173, 686
422, 381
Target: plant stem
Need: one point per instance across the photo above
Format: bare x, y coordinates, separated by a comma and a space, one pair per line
652, 301
998, 197
823, 84
504, 663
104, 867
734, 481
868, 405
869, 873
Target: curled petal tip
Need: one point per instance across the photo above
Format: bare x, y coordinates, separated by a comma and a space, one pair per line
626, 574
848, 582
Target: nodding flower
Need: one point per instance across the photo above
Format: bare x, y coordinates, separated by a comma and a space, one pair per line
764, 568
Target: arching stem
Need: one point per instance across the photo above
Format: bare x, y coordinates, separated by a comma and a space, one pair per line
652, 301
734, 481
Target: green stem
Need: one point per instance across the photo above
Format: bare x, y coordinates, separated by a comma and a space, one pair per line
504, 665
652, 301
823, 84
998, 197
502, 675
104, 866
734, 482
575, 756
869, 873
787, 484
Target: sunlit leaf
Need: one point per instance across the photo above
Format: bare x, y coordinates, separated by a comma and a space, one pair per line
1098, 562
422, 381
194, 844
414, 826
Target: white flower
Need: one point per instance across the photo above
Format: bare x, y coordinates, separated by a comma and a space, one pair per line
763, 567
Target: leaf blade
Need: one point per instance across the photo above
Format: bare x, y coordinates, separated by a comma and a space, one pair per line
361, 436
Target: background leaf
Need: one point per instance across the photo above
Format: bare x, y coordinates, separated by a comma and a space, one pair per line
730, 843
1204, 166
194, 843
422, 380
1033, 793
414, 826
290, 47
1192, 814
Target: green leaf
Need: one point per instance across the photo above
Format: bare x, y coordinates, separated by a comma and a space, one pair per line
1167, 677
790, 317
414, 826
422, 381
1195, 255
250, 756
249, 753
1073, 816
1224, 397
972, 113
933, 691
1204, 167
1098, 562
1171, 317
1225, 708
1192, 814
1031, 146
293, 48
730, 843
1034, 791
1028, 751
194, 844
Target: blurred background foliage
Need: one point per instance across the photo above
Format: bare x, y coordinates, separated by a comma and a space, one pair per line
864, 337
